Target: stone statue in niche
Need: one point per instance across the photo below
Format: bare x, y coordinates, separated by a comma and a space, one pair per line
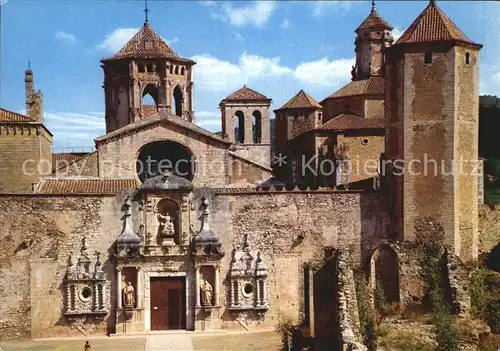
84, 260
206, 292
98, 272
166, 226
128, 295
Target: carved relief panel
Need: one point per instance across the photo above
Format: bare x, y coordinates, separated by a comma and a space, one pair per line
248, 286
86, 287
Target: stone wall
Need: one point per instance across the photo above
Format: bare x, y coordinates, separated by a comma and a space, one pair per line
290, 229
24, 144
37, 237
489, 228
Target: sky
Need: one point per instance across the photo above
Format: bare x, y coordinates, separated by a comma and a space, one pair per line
274, 47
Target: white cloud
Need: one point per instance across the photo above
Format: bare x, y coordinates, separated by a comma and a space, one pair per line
207, 3
172, 41
213, 74
75, 120
208, 119
68, 37
285, 24
320, 7
396, 33
219, 75
256, 14
324, 71
3, 2
115, 40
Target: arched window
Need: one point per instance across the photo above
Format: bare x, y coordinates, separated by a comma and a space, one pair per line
182, 71
467, 58
239, 127
150, 67
177, 99
171, 69
140, 68
256, 127
150, 95
428, 58
176, 69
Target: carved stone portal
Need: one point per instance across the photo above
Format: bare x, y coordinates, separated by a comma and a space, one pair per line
248, 286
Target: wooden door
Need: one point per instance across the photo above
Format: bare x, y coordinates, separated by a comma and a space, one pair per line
168, 303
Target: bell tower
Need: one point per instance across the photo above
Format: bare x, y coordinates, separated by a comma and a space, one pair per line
372, 37
144, 77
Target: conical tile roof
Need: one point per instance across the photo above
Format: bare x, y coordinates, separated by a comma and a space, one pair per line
374, 20
433, 25
301, 100
145, 44
245, 93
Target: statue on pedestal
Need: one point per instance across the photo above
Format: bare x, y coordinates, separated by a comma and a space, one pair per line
166, 226
206, 293
128, 295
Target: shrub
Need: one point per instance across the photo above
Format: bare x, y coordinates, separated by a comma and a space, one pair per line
366, 315
430, 252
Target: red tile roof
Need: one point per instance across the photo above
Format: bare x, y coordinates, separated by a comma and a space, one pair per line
10, 116
374, 20
301, 100
433, 25
351, 121
85, 186
67, 157
245, 94
370, 86
146, 44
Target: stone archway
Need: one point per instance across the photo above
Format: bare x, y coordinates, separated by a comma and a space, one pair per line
157, 157
384, 274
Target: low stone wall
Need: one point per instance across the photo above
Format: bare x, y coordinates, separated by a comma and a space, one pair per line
347, 306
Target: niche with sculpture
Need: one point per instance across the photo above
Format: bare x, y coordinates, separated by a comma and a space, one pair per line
167, 213
248, 285
86, 287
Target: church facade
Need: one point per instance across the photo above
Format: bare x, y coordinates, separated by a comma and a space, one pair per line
168, 226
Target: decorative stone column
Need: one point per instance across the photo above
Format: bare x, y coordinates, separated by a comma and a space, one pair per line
118, 287
139, 287
197, 286
216, 287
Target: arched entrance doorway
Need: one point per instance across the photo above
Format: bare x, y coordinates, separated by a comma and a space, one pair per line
160, 156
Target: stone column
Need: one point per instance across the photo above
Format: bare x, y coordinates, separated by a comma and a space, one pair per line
216, 286
258, 283
197, 286
139, 287
118, 287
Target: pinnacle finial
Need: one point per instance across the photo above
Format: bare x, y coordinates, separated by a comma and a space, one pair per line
29, 64
146, 11
432, 2
373, 5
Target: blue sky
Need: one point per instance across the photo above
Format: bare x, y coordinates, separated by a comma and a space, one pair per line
275, 47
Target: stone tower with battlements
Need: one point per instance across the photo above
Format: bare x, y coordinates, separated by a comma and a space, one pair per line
146, 66
432, 101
